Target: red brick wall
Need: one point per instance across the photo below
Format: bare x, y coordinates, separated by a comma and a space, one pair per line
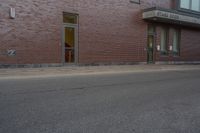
34, 34
109, 31
190, 45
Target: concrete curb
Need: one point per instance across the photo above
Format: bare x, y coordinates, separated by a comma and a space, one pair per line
24, 73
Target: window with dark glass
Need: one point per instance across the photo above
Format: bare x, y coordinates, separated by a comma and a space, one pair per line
193, 5
135, 1
70, 18
176, 42
163, 41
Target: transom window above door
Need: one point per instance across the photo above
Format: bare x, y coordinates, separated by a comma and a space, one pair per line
70, 18
135, 1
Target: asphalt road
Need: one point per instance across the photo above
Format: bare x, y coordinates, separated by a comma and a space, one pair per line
157, 102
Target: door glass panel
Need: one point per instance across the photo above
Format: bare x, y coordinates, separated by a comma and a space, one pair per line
150, 48
150, 41
69, 44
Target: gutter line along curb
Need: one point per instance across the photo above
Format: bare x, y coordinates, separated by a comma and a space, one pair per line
82, 73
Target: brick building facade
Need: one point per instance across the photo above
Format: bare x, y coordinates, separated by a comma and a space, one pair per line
97, 32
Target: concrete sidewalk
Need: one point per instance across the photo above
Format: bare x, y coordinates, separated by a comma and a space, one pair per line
88, 70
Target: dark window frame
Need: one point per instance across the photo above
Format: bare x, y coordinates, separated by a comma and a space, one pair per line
135, 1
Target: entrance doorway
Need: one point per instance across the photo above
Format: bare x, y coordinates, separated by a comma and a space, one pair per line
150, 44
70, 38
69, 44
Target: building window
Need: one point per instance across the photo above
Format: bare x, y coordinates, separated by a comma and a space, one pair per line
185, 4
164, 41
193, 5
176, 42
70, 18
135, 1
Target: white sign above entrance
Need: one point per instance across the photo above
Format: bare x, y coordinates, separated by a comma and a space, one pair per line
153, 14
